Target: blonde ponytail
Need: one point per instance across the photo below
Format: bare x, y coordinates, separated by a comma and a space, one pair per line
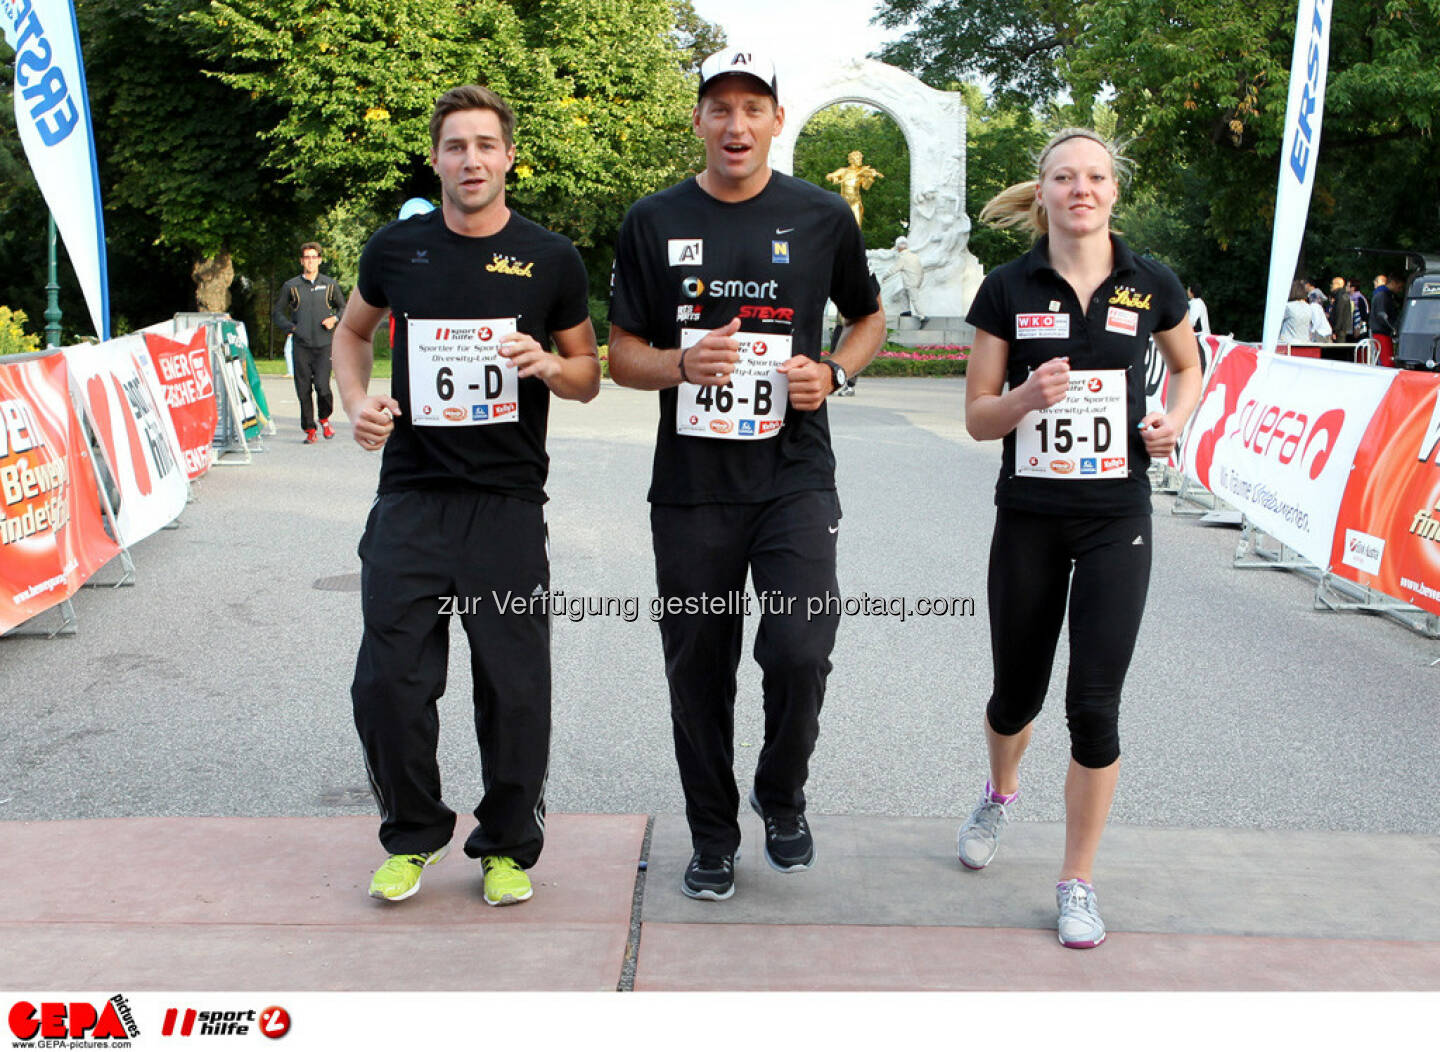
1016, 205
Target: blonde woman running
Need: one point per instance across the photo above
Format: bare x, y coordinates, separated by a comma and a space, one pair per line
1057, 373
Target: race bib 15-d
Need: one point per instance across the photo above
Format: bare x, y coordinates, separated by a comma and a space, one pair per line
1080, 437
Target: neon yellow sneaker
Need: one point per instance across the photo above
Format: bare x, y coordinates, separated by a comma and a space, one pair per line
399, 877
505, 882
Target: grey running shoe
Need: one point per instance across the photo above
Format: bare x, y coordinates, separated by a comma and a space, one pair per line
1080, 925
980, 836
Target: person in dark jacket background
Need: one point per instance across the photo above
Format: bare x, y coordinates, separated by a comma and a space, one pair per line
308, 310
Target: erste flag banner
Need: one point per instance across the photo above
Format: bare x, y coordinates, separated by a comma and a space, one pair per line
52, 117
128, 414
1299, 153
187, 381
52, 537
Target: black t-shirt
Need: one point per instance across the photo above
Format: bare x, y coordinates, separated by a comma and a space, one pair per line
687, 260
421, 269
1113, 331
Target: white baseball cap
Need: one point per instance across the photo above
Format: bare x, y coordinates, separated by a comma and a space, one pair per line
739, 60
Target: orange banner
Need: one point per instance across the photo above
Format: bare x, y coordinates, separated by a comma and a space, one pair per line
1387, 535
51, 533
189, 385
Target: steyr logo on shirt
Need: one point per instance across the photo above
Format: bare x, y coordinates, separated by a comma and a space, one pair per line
421, 256
502, 264
687, 251
1042, 326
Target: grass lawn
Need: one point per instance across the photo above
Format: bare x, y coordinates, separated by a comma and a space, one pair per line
276, 367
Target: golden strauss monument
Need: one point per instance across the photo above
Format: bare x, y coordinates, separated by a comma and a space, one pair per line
853, 178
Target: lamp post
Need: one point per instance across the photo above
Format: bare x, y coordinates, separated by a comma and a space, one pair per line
52, 292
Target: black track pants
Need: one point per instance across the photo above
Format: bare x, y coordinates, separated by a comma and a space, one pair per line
424, 553
1104, 565
312, 372
788, 546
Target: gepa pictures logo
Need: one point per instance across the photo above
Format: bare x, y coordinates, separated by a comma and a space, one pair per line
76, 1020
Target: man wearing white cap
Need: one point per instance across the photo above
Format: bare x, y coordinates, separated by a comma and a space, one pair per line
719, 293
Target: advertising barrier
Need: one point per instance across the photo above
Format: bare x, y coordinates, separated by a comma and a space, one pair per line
52, 538
1387, 533
1275, 437
234, 343
188, 383
126, 411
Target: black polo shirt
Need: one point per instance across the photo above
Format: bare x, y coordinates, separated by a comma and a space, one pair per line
1034, 310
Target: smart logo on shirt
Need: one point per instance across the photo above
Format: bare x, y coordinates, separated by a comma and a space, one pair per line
687, 252
720, 288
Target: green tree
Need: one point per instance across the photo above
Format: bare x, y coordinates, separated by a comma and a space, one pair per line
183, 174
597, 86
824, 145
1017, 45
695, 36
1202, 86
1002, 141
13, 337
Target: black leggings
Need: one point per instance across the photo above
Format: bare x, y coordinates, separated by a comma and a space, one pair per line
1033, 561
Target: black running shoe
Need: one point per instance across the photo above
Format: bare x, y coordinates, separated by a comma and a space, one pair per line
709, 877
789, 847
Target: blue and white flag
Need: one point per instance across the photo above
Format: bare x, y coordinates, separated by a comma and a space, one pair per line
52, 112
1299, 153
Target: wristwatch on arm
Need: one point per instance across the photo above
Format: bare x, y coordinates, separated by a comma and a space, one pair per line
837, 371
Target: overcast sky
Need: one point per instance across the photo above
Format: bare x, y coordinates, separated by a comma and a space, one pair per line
799, 30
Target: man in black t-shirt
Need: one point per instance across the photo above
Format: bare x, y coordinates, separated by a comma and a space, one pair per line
478, 293
719, 294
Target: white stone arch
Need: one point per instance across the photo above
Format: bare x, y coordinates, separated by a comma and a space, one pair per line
933, 123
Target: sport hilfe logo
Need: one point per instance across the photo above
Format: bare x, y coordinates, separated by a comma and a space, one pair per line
213, 1023
52, 1020
1094, 384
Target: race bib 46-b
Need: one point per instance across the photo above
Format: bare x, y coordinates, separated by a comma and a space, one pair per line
751, 405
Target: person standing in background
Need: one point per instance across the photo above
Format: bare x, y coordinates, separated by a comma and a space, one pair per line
308, 309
